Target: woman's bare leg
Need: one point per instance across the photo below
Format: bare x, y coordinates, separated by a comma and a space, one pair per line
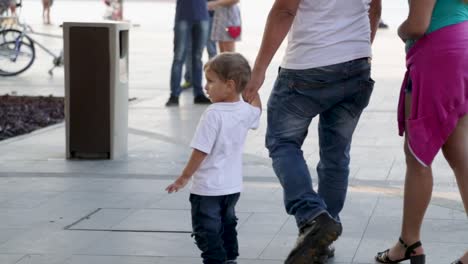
415, 203
456, 152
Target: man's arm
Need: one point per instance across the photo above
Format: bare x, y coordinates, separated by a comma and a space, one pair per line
375, 11
193, 164
418, 21
279, 22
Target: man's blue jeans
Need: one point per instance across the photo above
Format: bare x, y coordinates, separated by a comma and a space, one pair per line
198, 31
210, 48
338, 94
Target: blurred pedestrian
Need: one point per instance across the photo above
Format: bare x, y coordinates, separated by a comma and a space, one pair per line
114, 10
191, 18
227, 25
46, 4
8, 4
210, 48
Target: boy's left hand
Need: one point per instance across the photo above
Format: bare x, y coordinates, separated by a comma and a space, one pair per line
177, 185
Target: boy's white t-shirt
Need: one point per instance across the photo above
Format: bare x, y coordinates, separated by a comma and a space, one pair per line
221, 133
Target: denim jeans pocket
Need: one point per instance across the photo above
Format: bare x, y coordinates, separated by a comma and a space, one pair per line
362, 97
307, 99
314, 83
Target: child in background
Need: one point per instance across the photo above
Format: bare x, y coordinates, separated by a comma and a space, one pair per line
216, 161
226, 29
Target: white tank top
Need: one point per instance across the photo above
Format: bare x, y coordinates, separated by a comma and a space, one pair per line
326, 32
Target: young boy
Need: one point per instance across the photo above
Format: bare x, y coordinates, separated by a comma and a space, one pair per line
216, 160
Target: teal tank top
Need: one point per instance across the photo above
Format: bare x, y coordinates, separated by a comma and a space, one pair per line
445, 13
448, 12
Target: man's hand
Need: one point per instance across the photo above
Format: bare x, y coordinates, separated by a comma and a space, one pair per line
252, 87
178, 184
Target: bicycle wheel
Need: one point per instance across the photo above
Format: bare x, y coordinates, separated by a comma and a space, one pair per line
15, 57
12, 35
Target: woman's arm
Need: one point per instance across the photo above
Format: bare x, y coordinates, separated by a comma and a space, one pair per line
418, 21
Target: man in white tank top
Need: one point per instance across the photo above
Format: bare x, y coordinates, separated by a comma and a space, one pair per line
325, 72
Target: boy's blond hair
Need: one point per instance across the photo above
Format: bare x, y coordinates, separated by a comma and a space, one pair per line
231, 66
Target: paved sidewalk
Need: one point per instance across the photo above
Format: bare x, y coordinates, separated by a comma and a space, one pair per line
56, 211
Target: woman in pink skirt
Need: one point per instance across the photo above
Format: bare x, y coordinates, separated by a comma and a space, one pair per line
432, 114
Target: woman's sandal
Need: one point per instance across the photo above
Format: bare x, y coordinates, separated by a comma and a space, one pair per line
382, 257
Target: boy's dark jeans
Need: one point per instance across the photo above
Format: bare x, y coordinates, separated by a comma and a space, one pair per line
214, 224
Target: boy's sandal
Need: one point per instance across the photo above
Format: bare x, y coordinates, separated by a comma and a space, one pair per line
383, 257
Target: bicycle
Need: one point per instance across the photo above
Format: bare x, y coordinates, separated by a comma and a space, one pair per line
17, 49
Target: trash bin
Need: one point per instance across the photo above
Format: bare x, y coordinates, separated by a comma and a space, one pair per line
96, 89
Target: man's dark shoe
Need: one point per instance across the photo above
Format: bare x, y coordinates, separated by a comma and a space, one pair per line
330, 251
325, 256
382, 25
201, 99
314, 239
173, 101
230, 262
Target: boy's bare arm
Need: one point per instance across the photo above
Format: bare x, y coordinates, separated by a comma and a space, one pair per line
193, 164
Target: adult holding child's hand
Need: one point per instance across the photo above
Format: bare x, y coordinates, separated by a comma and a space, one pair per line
325, 74
253, 86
